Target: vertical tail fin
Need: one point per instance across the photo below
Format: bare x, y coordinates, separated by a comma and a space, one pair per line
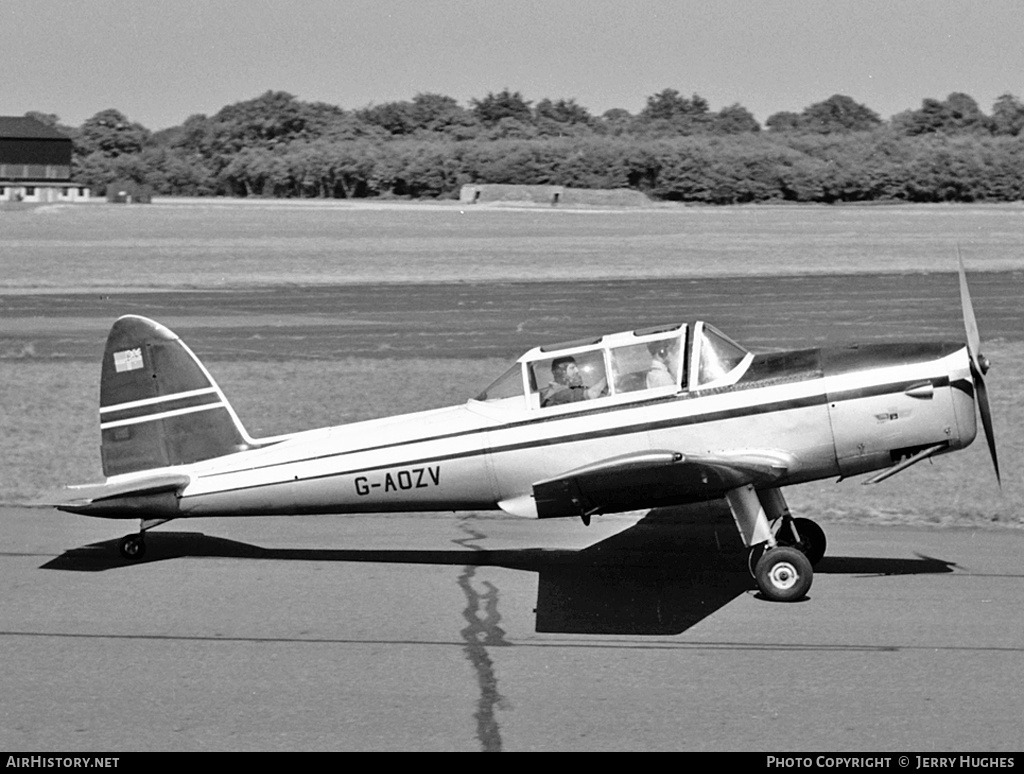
158, 405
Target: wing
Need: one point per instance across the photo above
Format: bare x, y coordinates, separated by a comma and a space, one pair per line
648, 480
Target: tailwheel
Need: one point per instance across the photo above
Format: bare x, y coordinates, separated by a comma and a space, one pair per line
804, 535
784, 574
132, 547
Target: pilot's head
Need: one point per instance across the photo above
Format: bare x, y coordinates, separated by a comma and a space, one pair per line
666, 350
564, 371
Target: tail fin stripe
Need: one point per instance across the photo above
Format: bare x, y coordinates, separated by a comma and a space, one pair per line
161, 415
159, 399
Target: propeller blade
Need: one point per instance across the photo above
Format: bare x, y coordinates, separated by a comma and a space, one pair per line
970, 322
986, 421
979, 364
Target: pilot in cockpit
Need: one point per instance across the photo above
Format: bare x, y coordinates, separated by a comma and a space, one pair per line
664, 362
568, 384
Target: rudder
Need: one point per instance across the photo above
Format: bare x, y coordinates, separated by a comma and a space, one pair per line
158, 405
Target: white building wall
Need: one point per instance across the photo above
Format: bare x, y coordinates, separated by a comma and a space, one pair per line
20, 192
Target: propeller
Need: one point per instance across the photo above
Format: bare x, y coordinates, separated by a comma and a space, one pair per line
979, 364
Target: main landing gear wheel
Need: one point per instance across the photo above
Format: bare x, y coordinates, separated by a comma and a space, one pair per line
812, 538
132, 547
784, 574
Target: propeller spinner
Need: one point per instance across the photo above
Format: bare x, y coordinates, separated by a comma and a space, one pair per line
979, 365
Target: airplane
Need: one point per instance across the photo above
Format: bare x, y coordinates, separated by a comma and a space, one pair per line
644, 418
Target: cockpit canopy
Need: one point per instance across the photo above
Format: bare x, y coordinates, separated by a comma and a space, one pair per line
649, 362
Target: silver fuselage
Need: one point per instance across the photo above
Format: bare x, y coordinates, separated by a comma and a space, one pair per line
834, 412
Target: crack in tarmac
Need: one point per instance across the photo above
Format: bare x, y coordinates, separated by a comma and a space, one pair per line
482, 631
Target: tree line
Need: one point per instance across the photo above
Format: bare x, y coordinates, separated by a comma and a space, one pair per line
676, 148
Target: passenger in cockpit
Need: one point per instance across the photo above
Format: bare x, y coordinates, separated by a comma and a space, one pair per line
568, 384
664, 363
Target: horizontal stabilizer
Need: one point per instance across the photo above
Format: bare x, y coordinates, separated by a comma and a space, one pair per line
125, 498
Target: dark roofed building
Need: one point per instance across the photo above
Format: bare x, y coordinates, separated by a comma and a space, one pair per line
35, 163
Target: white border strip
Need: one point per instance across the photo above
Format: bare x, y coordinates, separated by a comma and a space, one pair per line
164, 415
159, 399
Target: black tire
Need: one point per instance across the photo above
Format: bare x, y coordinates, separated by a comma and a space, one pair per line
132, 547
784, 574
812, 539
756, 552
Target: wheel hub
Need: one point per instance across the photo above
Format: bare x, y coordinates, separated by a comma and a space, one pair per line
783, 576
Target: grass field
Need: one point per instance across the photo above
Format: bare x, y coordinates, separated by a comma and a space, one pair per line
49, 420
203, 243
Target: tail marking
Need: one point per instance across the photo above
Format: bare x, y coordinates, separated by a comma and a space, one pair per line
177, 404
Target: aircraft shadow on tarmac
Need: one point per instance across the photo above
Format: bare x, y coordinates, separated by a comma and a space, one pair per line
670, 570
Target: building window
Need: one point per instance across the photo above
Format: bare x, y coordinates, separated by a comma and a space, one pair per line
30, 190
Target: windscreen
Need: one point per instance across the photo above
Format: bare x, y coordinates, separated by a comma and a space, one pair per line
508, 385
718, 355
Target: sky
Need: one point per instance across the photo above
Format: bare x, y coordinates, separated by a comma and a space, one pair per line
159, 63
